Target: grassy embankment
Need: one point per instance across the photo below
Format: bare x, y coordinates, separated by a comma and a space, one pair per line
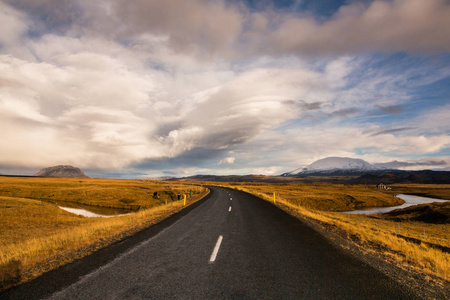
37, 236
439, 191
415, 246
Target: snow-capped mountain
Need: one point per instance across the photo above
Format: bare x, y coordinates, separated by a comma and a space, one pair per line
333, 165
343, 163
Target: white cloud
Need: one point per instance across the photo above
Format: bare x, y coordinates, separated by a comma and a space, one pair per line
174, 78
227, 160
13, 25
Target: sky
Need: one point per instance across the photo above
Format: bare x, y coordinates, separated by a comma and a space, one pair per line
147, 88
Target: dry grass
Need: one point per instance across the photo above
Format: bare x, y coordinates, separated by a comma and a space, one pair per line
37, 236
440, 191
106, 193
411, 245
326, 197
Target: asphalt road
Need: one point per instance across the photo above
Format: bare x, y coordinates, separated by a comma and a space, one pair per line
230, 246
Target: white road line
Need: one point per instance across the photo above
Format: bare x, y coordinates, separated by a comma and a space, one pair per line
216, 249
231, 198
229, 209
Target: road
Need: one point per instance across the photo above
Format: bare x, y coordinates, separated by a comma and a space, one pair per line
230, 246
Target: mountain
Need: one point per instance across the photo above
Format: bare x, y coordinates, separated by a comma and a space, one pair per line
62, 171
342, 163
334, 166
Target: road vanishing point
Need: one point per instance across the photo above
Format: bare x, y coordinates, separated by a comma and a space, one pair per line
230, 245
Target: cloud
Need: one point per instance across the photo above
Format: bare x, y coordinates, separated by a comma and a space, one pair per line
14, 25
403, 164
390, 109
390, 131
344, 112
228, 29
227, 160
52, 14
170, 85
70, 114
391, 26
188, 25
305, 106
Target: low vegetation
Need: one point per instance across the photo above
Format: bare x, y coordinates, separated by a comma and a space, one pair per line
418, 246
37, 236
127, 195
325, 197
439, 191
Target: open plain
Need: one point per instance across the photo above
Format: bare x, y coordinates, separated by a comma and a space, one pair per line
37, 236
40, 237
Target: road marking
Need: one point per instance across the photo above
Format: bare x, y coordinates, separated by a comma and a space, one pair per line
229, 209
231, 198
216, 249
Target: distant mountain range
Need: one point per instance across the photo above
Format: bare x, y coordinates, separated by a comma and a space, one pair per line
62, 171
361, 171
339, 170
340, 166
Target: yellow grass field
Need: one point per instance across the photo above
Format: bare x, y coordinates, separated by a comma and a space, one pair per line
326, 197
418, 246
439, 191
37, 236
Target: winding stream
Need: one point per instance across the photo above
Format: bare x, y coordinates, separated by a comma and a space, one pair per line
86, 213
410, 200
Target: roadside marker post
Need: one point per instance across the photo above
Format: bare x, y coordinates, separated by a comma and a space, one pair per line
274, 199
184, 203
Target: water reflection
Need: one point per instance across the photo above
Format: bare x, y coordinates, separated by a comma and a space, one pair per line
410, 200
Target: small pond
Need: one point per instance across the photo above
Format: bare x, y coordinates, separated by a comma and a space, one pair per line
410, 200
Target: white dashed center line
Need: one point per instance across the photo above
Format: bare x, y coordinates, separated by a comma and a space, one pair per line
229, 209
216, 249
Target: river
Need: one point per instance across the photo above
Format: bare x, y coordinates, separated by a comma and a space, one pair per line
86, 213
410, 200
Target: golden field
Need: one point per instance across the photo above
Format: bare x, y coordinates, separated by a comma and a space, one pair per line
417, 246
37, 236
439, 191
326, 197
127, 195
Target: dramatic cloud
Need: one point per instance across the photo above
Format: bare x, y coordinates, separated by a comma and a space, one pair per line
398, 25
149, 88
187, 24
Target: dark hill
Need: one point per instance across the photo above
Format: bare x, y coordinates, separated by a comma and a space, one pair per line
62, 171
437, 213
401, 176
346, 176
